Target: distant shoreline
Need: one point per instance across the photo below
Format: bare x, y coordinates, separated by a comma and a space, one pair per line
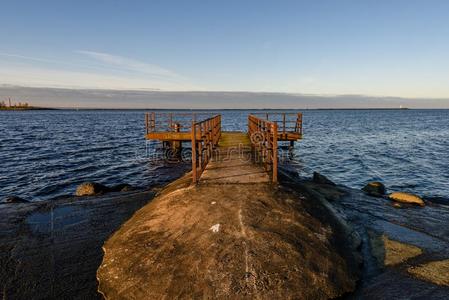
240, 109
26, 108
215, 109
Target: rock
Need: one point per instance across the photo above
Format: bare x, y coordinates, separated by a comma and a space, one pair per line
375, 188
397, 252
318, 178
123, 187
406, 198
435, 272
224, 251
389, 252
396, 205
14, 199
91, 189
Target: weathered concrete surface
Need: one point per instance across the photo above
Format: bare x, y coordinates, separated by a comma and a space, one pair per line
375, 219
234, 236
52, 249
266, 245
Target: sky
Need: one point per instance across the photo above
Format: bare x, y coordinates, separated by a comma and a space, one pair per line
376, 48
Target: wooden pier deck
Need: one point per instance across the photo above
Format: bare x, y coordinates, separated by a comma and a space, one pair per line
233, 162
218, 156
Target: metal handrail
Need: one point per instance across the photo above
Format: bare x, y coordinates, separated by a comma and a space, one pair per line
287, 122
202, 148
264, 139
169, 121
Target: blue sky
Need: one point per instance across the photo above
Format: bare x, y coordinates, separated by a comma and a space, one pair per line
380, 48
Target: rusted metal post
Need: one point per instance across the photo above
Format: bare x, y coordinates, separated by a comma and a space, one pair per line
283, 121
194, 173
176, 145
154, 121
146, 123
275, 152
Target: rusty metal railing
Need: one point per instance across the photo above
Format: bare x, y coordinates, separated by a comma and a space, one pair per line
205, 137
171, 121
264, 139
287, 122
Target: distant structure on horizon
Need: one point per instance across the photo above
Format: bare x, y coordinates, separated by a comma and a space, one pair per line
10, 105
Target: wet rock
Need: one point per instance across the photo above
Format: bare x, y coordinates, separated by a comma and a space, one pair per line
318, 178
123, 187
388, 252
375, 188
396, 252
14, 199
91, 189
406, 198
396, 205
435, 272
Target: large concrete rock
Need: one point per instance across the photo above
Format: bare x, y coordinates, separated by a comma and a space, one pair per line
226, 241
375, 188
406, 198
91, 189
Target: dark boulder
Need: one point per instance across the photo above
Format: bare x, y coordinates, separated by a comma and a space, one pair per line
91, 189
321, 179
123, 187
375, 188
14, 199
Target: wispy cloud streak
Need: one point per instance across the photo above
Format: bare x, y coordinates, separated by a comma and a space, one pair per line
99, 70
130, 64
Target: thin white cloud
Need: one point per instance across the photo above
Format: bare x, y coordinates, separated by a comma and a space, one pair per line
45, 77
130, 64
30, 58
113, 72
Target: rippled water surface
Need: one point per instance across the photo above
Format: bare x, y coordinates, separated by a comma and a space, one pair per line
44, 154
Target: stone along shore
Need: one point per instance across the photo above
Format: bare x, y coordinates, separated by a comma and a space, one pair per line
224, 239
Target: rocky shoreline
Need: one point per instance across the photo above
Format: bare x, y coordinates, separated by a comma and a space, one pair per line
405, 248
52, 249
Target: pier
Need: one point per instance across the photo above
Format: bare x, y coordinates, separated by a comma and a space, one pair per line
232, 234
235, 156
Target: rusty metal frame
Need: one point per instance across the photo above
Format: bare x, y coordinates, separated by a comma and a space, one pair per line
288, 123
264, 139
209, 132
156, 122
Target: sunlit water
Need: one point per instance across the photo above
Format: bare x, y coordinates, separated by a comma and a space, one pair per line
44, 154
